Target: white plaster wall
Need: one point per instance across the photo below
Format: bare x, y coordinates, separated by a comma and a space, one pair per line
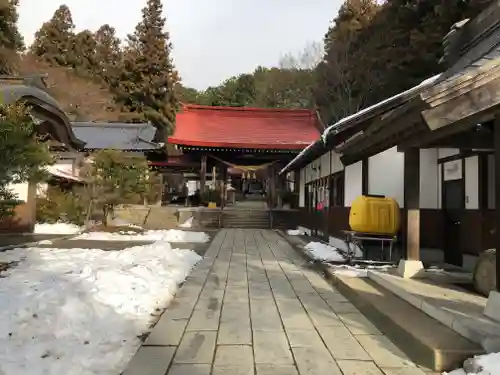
352, 183
452, 170
430, 190
445, 152
325, 165
491, 181
21, 190
386, 175
315, 169
337, 165
472, 183
302, 188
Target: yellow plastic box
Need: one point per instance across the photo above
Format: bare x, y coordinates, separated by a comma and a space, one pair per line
375, 214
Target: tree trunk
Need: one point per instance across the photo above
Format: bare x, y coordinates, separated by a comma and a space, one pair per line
105, 215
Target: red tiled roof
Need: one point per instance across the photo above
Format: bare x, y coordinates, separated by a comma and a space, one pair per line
242, 127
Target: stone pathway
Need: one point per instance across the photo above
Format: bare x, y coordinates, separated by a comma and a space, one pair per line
252, 307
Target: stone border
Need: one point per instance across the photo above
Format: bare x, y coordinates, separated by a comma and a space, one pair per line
412, 343
484, 332
34, 243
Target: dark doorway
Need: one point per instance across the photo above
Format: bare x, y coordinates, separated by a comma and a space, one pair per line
453, 206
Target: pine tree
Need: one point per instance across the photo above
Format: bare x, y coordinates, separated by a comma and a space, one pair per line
148, 77
11, 40
108, 54
53, 42
83, 52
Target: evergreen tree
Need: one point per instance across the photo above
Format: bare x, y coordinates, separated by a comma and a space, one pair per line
54, 41
83, 53
108, 54
11, 40
375, 51
342, 89
148, 77
22, 157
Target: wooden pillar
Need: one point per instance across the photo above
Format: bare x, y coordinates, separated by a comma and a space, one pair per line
223, 186
203, 173
272, 187
162, 188
412, 202
364, 176
497, 197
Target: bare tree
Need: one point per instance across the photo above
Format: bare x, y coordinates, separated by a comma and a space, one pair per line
343, 88
307, 59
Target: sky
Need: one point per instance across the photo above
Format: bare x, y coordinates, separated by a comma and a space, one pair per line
213, 39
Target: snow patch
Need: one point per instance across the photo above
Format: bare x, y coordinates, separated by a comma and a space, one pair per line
342, 245
120, 222
171, 235
323, 252
356, 270
57, 228
295, 232
44, 242
488, 364
328, 253
80, 311
188, 223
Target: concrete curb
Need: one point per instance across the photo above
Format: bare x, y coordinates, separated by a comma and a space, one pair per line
34, 243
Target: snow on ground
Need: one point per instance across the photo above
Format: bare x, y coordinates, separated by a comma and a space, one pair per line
342, 245
44, 242
120, 222
188, 223
57, 228
356, 270
328, 253
488, 364
171, 235
295, 232
80, 311
323, 252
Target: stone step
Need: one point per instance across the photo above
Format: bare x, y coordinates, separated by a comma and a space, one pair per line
426, 341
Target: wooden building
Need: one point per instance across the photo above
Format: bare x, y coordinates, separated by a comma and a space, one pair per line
241, 143
435, 148
52, 124
133, 138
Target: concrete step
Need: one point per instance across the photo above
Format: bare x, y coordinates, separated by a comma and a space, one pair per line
245, 219
426, 341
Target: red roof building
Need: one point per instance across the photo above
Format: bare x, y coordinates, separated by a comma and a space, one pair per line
245, 128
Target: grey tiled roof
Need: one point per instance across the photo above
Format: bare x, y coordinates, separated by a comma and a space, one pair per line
484, 52
119, 136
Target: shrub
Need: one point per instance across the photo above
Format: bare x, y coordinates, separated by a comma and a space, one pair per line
67, 206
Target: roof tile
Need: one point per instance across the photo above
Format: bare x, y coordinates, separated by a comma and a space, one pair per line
242, 127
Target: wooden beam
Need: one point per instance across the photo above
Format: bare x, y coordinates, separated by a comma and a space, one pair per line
479, 100
465, 140
425, 137
412, 202
496, 226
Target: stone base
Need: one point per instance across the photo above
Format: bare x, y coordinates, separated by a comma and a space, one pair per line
409, 269
492, 309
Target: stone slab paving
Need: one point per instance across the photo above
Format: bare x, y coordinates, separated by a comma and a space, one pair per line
254, 307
